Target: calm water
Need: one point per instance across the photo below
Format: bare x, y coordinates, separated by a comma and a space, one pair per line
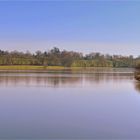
70, 105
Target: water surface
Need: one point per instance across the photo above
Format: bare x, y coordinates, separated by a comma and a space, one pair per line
98, 104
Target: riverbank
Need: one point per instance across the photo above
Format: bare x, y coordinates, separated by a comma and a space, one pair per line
61, 69
30, 67
35, 68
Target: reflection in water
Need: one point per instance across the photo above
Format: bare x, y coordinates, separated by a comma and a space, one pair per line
137, 78
137, 74
55, 80
137, 86
100, 106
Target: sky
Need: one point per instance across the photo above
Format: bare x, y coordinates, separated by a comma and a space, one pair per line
87, 26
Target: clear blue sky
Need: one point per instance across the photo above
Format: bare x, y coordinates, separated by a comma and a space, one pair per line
105, 26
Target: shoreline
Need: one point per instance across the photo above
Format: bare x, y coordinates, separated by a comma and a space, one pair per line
61, 69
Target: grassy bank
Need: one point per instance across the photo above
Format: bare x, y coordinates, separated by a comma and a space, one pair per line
61, 69
30, 67
37, 68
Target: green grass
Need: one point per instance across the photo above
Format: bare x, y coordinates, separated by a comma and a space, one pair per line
43, 68
34, 67
29, 67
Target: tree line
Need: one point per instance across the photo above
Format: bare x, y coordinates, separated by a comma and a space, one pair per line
55, 57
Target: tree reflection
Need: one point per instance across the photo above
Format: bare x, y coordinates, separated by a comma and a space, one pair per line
60, 80
137, 86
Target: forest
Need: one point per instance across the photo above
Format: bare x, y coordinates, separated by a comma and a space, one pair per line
56, 57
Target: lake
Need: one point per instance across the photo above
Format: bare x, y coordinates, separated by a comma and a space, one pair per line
95, 104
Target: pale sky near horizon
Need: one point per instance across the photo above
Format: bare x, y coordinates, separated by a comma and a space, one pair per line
86, 26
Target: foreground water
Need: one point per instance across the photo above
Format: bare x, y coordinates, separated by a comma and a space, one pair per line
69, 105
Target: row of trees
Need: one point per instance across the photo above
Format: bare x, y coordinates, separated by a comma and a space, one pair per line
55, 57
